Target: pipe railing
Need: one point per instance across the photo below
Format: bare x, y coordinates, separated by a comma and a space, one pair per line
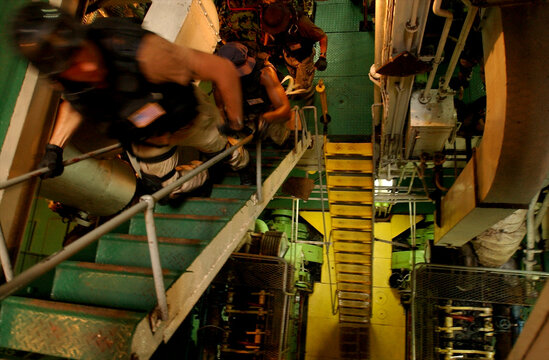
4, 253
50, 262
146, 204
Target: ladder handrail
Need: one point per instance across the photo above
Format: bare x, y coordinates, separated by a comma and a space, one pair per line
50, 262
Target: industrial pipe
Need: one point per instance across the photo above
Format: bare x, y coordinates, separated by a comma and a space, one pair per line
531, 234
412, 25
5, 257
378, 44
469, 19
442, 42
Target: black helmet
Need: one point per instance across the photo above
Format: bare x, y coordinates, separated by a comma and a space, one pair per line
47, 36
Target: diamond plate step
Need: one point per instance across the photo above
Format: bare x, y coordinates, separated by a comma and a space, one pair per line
66, 330
361, 211
349, 165
354, 278
351, 224
352, 287
180, 226
354, 268
203, 206
353, 319
353, 303
354, 258
107, 285
335, 149
350, 235
348, 195
335, 180
354, 311
241, 192
133, 250
348, 295
347, 246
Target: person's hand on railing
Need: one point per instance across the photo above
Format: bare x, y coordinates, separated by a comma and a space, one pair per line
53, 160
226, 130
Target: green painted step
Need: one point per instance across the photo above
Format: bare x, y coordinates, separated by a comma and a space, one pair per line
125, 287
203, 206
133, 250
66, 330
241, 192
180, 226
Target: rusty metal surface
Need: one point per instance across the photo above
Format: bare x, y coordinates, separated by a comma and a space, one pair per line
298, 187
67, 330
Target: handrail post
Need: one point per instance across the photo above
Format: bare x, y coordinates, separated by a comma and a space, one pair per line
296, 127
258, 179
5, 257
155, 257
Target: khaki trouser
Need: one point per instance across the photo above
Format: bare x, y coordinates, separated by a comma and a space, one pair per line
202, 134
303, 72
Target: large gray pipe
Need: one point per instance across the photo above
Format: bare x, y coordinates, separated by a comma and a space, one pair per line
99, 187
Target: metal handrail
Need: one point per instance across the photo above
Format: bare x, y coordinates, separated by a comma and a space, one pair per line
4, 254
50, 262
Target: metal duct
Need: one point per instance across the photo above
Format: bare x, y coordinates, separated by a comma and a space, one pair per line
513, 160
99, 187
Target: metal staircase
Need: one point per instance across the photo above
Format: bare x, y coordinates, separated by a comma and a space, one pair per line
349, 168
102, 303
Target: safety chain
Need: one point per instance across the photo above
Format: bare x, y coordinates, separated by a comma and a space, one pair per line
210, 22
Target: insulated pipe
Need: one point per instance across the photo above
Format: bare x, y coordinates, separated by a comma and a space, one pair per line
411, 25
531, 234
459, 47
378, 45
5, 257
99, 187
442, 42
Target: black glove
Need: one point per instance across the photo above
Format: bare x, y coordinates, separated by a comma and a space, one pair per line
53, 159
226, 130
321, 63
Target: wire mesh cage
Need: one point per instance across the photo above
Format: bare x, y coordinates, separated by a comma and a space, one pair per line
251, 274
462, 312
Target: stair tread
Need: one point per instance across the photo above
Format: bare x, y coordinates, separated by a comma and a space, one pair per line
57, 328
203, 206
177, 225
126, 287
133, 250
335, 148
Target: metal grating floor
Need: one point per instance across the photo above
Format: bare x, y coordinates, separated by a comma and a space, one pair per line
350, 55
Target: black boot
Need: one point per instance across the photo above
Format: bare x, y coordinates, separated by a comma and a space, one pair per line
247, 175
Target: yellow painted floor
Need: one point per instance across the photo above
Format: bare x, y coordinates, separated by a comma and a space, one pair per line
387, 332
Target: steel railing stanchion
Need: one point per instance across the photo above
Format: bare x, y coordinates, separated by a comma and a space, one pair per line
155, 257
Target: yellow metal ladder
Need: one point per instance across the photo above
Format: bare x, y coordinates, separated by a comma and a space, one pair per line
349, 168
